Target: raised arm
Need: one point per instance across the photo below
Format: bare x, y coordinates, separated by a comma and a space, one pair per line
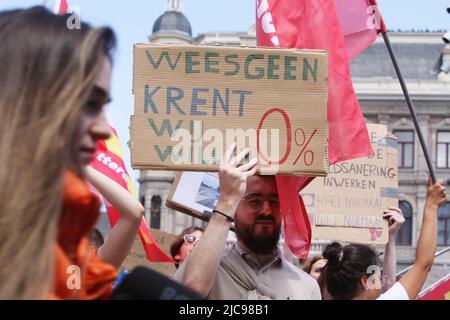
414, 279
396, 220
119, 242
201, 266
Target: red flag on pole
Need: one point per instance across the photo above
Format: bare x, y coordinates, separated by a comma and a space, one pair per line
360, 22
108, 161
61, 7
314, 24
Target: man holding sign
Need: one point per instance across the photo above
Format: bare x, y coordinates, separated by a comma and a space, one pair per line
252, 268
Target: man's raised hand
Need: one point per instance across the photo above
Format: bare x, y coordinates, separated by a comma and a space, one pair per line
233, 177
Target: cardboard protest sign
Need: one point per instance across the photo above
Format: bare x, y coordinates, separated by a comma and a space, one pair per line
192, 102
137, 257
194, 193
348, 204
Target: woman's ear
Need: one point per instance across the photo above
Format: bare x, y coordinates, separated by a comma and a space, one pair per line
177, 257
363, 282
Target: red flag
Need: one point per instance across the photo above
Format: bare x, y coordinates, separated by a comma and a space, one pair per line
439, 292
360, 22
314, 24
61, 7
297, 228
108, 161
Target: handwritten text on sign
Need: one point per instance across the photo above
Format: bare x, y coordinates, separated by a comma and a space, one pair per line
348, 204
192, 102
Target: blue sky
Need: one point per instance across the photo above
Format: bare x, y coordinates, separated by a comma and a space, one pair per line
133, 22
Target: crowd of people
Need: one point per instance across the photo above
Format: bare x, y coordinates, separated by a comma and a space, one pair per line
54, 85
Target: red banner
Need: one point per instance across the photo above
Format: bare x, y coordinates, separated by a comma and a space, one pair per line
61, 7
361, 22
439, 292
314, 24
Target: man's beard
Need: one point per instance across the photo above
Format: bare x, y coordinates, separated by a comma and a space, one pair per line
261, 243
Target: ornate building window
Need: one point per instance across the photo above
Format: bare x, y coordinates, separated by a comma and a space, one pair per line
444, 225
404, 235
405, 148
155, 212
443, 149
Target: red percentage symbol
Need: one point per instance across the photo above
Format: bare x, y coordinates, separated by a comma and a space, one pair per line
308, 153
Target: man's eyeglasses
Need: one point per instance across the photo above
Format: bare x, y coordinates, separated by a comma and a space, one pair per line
256, 202
190, 239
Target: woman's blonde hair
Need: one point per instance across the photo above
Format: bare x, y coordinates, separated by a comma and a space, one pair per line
47, 74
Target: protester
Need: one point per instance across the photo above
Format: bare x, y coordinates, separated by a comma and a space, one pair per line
115, 249
314, 266
53, 86
395, 219
253, 268
352, 272
184, 243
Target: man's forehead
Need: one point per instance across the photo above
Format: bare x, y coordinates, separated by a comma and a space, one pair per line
265, 185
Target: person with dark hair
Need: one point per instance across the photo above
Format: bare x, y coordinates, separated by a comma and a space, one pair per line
253, 267
346, 267
353, 273
54, 84
184, 243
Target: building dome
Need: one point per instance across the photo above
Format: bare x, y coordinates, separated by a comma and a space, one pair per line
173, 21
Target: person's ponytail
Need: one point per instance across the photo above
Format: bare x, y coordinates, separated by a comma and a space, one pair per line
345, 267
333, 254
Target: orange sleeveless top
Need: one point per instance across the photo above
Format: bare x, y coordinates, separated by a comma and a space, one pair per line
79, 273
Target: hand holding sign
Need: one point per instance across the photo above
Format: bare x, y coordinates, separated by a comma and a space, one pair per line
233, 178
396, 220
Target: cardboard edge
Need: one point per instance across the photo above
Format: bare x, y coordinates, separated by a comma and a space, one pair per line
138, 45
137, 166
174, 186
183, 209
131, 140
179, 207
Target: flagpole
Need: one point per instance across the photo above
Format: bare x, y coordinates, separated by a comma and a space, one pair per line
412, 110
410, 104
